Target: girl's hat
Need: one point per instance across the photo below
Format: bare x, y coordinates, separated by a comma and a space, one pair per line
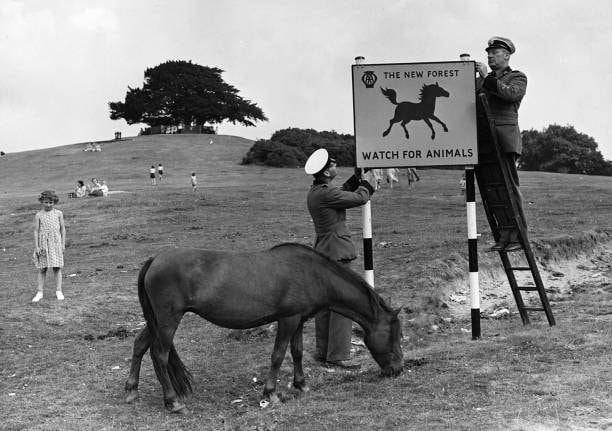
48, 194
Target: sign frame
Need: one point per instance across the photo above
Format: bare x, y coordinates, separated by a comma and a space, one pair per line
416, 145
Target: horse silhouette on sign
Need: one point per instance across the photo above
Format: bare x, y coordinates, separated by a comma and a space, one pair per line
424, 110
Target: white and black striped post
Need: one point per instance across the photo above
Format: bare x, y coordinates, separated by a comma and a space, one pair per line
470, 200
366, 217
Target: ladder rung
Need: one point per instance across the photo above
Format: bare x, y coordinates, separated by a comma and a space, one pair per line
507, 227
520, 268
528, 288
533, 309
505, 206
494, 184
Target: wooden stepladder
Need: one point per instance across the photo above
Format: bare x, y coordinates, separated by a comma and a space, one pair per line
503, 213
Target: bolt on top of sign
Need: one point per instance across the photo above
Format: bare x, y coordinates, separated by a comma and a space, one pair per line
415, 114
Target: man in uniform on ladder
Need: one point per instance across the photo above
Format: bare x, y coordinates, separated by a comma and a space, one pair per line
504, 89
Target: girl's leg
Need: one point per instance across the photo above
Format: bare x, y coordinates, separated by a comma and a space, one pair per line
41, 283
57, 272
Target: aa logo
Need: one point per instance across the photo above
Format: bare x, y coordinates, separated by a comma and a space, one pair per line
423, 110
369, 78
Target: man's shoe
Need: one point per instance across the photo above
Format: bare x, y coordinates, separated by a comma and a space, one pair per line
498, 246
513, 246
346, 364
59, 295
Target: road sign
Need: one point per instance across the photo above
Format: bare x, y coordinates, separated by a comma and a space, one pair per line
415, 114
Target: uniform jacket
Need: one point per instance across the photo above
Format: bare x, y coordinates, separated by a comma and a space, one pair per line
504, 95
327, 205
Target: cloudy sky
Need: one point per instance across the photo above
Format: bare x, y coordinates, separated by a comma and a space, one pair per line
64, 60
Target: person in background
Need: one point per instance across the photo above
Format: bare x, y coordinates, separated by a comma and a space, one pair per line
49, 243
412, 176
152, 175
194, 182
504, 89
327, 205
160, 172
104, 188
81, 190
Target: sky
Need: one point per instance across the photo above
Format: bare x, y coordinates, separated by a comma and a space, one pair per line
64, 60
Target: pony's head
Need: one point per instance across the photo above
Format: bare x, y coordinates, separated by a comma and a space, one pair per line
384, 343
433, 90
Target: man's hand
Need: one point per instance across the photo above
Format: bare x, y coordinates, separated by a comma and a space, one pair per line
481, 68
370, 178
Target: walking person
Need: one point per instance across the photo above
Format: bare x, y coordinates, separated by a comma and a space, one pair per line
412, 176
152, 175
50, 243
327, 205
504, 89
194, 182
160, 172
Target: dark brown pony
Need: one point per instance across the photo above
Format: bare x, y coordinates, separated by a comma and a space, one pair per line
288, 283
424, 110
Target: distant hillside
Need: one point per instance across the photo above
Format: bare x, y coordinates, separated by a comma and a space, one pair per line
124, 164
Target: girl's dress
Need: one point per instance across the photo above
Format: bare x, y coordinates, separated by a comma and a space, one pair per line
49, 240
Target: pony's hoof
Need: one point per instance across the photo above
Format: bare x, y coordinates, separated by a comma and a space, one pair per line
180, 409
131, 397
177, 408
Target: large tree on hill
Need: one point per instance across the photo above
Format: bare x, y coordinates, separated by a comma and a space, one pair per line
562, 149
183, 93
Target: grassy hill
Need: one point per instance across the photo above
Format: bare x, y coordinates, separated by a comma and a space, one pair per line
125, 164
64, 364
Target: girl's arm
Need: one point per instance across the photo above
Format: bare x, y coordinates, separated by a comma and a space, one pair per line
36, 227
62, 231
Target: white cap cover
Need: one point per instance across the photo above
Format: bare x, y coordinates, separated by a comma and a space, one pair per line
317, 161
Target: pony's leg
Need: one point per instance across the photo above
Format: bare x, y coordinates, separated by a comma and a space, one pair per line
299, 381
391, 123
405, 129
433, 117
160, 352
286, 329
141, 345
433, 132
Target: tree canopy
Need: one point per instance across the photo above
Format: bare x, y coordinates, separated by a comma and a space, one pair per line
183, 93
291, 148
562, 149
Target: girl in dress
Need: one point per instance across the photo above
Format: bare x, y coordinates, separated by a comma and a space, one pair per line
50, 243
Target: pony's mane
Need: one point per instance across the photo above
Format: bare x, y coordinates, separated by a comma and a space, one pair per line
423, 91
375, 299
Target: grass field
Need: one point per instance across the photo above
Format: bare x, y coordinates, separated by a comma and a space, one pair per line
64, 364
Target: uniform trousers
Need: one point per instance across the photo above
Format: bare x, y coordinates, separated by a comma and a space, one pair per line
489, 173
333, 334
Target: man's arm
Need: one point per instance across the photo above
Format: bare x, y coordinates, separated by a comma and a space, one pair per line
511, 91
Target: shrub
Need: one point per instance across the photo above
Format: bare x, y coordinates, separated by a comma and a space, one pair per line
291, 148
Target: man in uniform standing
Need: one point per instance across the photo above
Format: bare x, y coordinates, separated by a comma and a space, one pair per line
327, 205
504, 89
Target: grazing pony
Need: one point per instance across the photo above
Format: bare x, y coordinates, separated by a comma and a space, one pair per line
424, 110
288, 283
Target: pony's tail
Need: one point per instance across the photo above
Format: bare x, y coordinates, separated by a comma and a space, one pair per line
390, 94
180, 377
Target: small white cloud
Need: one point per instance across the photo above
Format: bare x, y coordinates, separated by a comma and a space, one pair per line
96, 20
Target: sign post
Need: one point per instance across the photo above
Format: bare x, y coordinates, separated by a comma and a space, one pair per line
366, 219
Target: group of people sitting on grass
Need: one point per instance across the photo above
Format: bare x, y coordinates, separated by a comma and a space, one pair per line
97, 188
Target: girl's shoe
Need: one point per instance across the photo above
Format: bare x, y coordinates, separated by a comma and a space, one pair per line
37, 297
60, 295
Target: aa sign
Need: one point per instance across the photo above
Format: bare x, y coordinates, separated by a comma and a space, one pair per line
415, 114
